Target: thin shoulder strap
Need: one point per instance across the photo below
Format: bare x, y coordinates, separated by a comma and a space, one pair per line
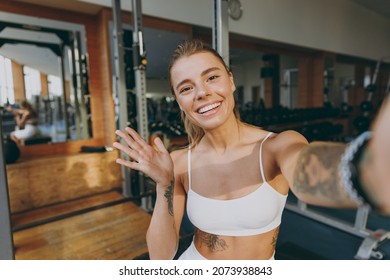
189, 167
261, 156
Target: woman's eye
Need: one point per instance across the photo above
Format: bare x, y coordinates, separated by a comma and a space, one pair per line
213, 77
184, 89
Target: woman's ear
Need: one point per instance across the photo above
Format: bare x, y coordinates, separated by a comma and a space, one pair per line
232, 81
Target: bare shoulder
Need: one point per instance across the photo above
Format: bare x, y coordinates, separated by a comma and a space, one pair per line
253, 134
288, 138
286, 146
277, 141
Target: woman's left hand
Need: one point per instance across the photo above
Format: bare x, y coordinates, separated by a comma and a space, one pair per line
153, 162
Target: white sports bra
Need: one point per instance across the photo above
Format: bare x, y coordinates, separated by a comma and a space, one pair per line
256, 213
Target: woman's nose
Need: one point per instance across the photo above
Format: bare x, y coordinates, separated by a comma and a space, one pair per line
202, 91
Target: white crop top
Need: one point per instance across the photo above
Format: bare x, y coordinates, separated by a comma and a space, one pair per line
256, 213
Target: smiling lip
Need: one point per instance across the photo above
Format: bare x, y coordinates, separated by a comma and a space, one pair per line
207, 108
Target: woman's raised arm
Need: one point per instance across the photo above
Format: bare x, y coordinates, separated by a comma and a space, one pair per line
156, 163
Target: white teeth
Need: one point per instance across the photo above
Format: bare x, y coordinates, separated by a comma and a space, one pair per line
208, 107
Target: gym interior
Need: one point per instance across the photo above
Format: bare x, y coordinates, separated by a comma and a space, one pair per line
319, 67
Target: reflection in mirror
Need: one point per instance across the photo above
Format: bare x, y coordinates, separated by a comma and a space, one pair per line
289, 81
328, 82
344, 80
49, 58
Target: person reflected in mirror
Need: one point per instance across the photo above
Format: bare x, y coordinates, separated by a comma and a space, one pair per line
234, 178
26, 121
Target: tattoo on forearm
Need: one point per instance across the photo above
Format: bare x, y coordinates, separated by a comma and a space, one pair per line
316, 172
169, 197
275, 237
212, 241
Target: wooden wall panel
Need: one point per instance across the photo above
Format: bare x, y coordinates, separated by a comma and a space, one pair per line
268, 90
357, 92
44, 85
45, 181
317, 95
105, 102
311, 81
18, 79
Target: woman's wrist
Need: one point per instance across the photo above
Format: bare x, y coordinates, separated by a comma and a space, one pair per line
165, 191
162, 185
353, 170
368, 181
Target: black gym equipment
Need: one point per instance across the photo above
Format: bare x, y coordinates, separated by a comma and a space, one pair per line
11, 151
309, 232
313, 123
345, 108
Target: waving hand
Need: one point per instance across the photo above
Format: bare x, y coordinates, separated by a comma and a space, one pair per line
155, 163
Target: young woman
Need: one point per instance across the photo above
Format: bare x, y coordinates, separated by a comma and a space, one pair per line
234, 178
27, 122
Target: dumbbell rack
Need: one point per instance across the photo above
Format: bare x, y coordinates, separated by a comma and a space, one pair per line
371, 239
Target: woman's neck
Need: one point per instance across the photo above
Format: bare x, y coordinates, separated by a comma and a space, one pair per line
224, 137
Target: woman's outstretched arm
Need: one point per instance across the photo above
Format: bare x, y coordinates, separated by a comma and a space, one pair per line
313, 170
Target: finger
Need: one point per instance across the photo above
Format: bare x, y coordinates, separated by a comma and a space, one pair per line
144, 168
130, 152
134, 134
128, 139
160, 145
130, 164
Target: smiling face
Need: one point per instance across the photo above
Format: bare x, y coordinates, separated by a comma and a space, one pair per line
203, 89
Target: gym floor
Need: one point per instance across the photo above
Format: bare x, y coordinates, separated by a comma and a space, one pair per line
109, 231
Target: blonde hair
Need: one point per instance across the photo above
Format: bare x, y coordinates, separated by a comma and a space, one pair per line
187, 48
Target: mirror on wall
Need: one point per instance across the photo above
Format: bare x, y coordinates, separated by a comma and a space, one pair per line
343, 81
47, 65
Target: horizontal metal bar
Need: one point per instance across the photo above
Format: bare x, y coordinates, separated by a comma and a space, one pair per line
325, 219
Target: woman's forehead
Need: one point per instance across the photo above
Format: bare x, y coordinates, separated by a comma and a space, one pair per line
197, 61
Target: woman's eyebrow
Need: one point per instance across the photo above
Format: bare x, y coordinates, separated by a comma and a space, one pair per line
182, 82
205, 72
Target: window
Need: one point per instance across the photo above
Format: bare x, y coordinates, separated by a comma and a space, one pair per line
32, 82
7, 93
54, 85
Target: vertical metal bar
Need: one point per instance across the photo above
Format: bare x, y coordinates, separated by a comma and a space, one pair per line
6, 239
140, 70
361, 218
221, 29
374, 77
75, 90
301, 205
140, 88
119, 83
80, 81
66, 117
